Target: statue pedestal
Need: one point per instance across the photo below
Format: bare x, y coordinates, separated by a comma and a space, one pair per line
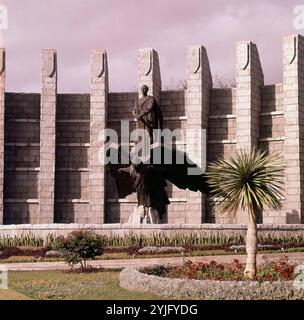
144, 215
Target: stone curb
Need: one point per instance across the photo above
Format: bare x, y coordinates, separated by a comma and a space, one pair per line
134, 280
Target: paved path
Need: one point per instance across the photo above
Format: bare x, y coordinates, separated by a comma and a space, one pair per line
123, 263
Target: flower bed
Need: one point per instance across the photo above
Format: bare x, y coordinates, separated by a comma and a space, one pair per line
6, 252
43, 252
272, 271
202, 281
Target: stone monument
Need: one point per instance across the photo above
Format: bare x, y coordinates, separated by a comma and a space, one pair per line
148, 178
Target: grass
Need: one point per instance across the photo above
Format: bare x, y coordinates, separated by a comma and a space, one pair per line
24, 259
12, 295
116, 256
58, 285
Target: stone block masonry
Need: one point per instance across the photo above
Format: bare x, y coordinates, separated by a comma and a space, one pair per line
199, 84
98, 121
293, 85
72, 158
49, 167
47, 136
2, 115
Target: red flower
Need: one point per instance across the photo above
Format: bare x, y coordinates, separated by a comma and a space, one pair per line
255, 278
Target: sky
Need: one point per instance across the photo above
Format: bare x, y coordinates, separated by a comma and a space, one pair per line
74, 27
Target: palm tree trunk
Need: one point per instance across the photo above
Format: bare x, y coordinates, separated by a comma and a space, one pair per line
251, 245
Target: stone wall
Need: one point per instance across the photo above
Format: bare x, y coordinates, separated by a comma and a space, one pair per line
51, 172
272, 136
22, 158
72, 192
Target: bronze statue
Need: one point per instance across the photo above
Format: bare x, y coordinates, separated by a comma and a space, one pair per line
147, 113
147, 179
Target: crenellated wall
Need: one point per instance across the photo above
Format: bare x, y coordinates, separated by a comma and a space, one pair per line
49, 167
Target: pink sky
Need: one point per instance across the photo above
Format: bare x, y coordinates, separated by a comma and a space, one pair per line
73, 27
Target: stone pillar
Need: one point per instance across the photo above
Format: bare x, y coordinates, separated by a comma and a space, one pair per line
149, 72
249, 80
47, 136
98, 120
199, 85
293, 87
2, 113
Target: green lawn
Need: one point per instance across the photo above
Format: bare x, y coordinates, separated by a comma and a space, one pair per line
12, 295
44, 285
118, 255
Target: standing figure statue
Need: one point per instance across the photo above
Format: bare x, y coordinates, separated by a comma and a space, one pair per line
147, 179
147, 113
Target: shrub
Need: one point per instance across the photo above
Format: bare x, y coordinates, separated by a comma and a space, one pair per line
80, 246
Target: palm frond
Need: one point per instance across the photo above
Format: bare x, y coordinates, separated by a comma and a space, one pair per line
250, 179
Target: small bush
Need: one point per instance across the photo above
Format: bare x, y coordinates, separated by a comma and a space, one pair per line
80, 246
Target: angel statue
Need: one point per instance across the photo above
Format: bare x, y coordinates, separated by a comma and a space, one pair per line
149, 180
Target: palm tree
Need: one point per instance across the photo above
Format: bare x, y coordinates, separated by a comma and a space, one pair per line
248, 181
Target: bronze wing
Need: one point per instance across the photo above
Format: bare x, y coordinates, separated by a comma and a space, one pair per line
120, 172
177, 172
